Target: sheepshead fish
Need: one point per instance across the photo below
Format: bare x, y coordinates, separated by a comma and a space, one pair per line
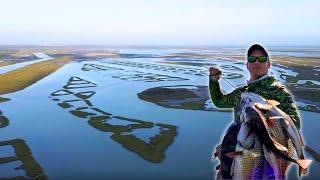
274, 132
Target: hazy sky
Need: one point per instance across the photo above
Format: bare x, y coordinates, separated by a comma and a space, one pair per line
159, 22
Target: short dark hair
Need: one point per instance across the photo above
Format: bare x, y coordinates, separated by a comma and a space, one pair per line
257, 47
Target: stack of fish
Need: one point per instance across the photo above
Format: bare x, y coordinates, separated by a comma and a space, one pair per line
267, 141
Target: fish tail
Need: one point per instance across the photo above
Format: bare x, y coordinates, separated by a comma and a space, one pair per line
302, 171
303, 163
234, 154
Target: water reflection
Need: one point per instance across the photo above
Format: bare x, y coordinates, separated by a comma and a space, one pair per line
22, 154
125, 130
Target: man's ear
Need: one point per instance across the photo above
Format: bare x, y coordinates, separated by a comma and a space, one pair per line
269, 64
247, 65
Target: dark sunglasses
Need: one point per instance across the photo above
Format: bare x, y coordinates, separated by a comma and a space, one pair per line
262, 59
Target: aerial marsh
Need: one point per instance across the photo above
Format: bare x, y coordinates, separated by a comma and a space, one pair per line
114, 112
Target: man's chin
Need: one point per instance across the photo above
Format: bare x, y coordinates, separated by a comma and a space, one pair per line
259, 75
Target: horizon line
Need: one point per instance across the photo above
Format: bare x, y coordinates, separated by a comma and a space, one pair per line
150, 45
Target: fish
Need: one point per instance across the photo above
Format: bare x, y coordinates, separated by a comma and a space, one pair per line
276, 116
247, 163
264, 123
246, 136
248, 158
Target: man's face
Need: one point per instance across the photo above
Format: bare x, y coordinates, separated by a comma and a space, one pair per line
257, 69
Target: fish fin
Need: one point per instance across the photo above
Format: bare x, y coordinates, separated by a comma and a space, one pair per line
234, 154
303, 163
262, 107
273, 102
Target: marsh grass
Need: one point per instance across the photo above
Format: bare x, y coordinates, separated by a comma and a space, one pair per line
23, 153
21, 78
4, 99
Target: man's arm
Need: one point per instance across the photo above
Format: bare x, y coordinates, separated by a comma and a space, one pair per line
220, 100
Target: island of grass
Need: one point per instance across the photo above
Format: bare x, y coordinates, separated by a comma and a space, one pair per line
23, 153
180, 97
4, 121
4, 99
21, 78
152, 151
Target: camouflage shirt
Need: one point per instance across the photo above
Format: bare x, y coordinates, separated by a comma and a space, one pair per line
268, 88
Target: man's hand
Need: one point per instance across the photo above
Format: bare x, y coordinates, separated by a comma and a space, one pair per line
215, 73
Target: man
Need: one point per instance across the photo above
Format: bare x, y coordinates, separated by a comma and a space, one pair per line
258, 65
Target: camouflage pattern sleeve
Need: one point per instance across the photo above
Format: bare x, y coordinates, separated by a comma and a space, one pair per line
287, 105
220, 100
